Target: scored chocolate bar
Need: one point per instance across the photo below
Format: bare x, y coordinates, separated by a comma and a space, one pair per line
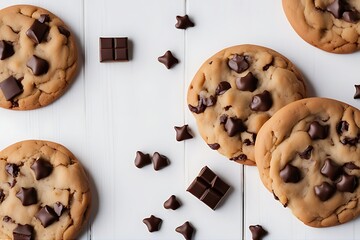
113, 49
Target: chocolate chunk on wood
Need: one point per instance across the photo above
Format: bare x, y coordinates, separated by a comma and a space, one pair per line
187, 230
159, 161
168, 59
257, 232
183, 22
142, 159
172, 203
182, 133
153, 223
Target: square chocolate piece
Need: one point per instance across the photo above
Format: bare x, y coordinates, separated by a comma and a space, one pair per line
113, 49
10, 88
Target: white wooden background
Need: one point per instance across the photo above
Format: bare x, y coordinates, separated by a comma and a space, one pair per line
114, 109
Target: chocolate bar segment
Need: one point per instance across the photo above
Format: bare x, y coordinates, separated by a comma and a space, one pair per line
113, 49
10, 88
37, 31
209, 188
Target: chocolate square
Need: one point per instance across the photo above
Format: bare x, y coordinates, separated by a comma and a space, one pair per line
10, 88
120, 42
211, 198
219, 185
106, 43
106, 55
121, 54
198, 187
113, 49
37, 31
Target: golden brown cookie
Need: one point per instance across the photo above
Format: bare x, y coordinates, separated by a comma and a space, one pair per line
44, 192
38, 57
331, 25
308, 156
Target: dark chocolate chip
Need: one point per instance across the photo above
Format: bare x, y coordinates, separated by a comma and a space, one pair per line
23, 232
214, 146
324, 191
159, 161
2, 195
7, 219
168, 60
336, 8
12, 182
172, 203
290, 174
257, 232
347, 183
187, 230
261, 102
59, 208
350, 141
202, 104
38, 65
142, 159
64, 31
306, 154
241, 157
37, 31
234, 126
27, 196
42, 168
318, 131
47, 216
210, 101
350, 16
44, 18
182, 133
357, 92
6, 49
222, 88
342, 126
183, 22
275, 197
330, 169
247, 83
11, 88
238, 63
12, 169
153, 223
223, 118
351, 166
227, 108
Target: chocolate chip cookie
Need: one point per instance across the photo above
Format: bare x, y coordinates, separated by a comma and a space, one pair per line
308, 155
44, 192
38, 57
331, 25
236, 91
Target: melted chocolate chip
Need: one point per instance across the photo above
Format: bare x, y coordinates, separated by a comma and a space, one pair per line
42, 168
2, 195
168, 59
222, 88
182, 133
234, 126
214, 146
183, 22
350, 141
37, 31
261, 102
44, 18
324, 191
247, 83
347, 183
12, 182
336, 8
306, 154
27, 196
38, 65
12, 169
142, 159
290, 174
23, 232
47, 216
330, 169
6, 49
172, 203
351, 166
350, 16
342, 126
318, 131
238, 63
59, 208
159, 161
10, 87
64, 31
257, 232
153, 223
186, 230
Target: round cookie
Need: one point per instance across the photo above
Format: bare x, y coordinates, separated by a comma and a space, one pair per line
331, 25
308, 155
236, 91
44, 192
38, 57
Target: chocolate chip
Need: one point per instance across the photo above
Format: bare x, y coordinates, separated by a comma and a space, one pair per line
222, 88
142, 159
261, 102
336, 8
12, 169
318, 131
186, 230
234, 126
306, 154
238, 63
357, 92
47, 216
247, 83
350, 141
350, 16
42, 168
168, 60
330, 169
23, 232
44, 18
64, 31
223, 118
347, 183
182, 133
59, 208
37, 31
27, 196
342, 126
257, 232
290, 174
12, 182
351, 166
183, 22
7, 219
241, 157
227, 108
2, 195
10, 88
38, 65
202, 104
172, 203
159, 161
6, 49
214, 146
324, 191
153, 223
